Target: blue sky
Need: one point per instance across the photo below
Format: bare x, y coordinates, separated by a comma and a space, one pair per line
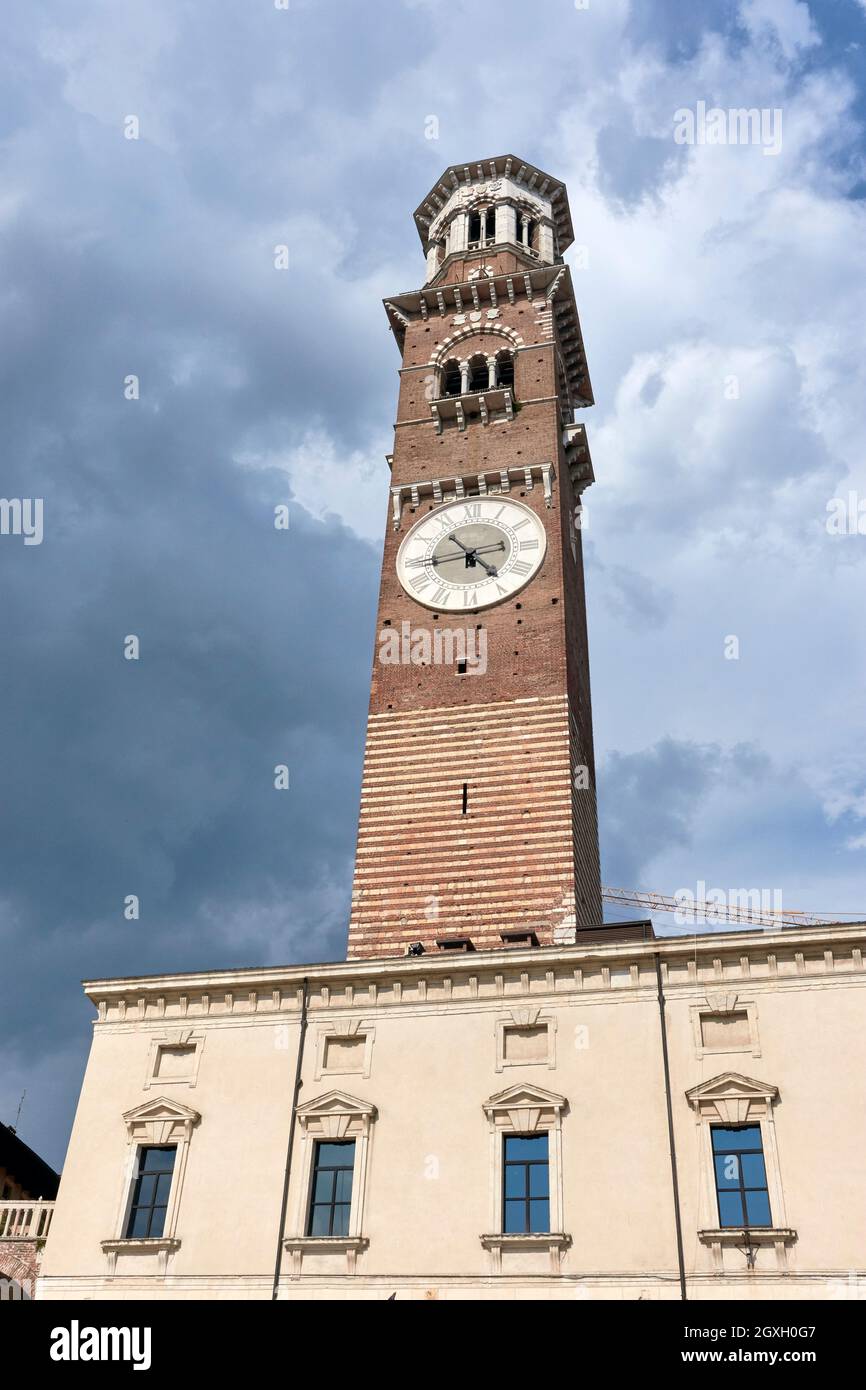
702, 266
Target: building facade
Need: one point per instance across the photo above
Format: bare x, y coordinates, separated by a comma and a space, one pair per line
28, 1187
494, 1096
422, 1067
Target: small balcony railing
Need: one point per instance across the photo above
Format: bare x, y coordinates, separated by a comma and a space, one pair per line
493, 402
24, 1220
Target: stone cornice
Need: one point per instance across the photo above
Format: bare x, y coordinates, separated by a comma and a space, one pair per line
507, 286
830, 954
548, 287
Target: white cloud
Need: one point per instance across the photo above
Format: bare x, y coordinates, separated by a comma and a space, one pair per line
786, 21
331, 481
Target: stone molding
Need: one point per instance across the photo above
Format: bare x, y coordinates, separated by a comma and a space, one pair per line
525, 1017
748, 1242
349, 1028
719, 1005
156, 1121
766, 959
524, 1109
173, 1037
162, 1247
333, 1116
497, 1245
313, 1247
733, 1099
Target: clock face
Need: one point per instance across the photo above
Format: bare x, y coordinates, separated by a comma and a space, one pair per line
471, 554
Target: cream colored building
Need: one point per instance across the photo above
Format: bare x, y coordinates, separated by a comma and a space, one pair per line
427, 1064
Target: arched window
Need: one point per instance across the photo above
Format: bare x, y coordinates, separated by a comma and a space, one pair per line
504, 368
482, 227
479, 375
451, 379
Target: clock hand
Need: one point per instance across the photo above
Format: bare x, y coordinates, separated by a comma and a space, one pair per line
434, 560
441, 559
491, 569
472, 552
473, 556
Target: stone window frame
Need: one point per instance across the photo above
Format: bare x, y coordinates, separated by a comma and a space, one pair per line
725, 1003
349, 1028
525, 1109
525, 1018
173, 1037
160, 1121
331, 1117
733, 1099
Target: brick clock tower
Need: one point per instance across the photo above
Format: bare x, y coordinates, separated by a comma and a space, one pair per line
478, 822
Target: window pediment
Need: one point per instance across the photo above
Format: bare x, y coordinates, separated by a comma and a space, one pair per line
160, 1121
336, 1115
525, 1108
732, 1099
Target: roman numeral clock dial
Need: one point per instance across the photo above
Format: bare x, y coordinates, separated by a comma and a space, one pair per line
471, 554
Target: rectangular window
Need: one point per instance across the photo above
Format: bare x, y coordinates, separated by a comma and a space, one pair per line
331, 1199
150, 1193
526, 1192
741, 1176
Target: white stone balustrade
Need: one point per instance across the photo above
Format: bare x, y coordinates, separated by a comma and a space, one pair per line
25, 1220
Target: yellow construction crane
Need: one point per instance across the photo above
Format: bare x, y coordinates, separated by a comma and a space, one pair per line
686, 904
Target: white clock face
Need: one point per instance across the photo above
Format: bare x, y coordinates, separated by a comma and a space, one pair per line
471, 554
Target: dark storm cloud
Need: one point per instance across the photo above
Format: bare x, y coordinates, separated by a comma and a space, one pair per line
156, 777
732, 810
648, 801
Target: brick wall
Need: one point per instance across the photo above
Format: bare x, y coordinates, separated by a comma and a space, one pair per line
524, 852
19, 1264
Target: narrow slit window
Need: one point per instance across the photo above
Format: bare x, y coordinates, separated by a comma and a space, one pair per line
465, 797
